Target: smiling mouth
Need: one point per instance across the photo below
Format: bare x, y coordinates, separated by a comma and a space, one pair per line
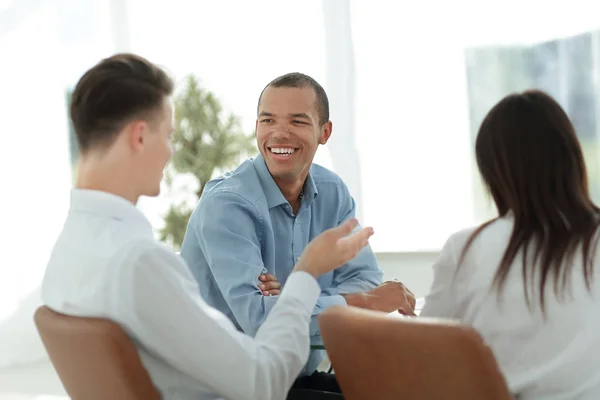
282, 151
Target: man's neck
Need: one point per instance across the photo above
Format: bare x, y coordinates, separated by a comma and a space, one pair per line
99, 175
291, 190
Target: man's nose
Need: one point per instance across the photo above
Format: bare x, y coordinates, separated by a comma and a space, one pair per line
281, 131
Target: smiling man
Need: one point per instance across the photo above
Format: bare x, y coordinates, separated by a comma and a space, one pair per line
252, 224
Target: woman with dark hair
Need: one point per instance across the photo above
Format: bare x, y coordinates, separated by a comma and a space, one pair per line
527, 280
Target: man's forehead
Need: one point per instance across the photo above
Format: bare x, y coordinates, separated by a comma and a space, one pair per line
288, 96
288, 99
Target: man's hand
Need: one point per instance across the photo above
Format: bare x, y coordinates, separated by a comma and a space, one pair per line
387, 297
270, 286
333, 248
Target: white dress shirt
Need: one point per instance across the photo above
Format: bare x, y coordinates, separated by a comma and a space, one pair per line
107, 264
552, 359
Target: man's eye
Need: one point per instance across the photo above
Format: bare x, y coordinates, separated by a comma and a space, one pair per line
298, 122
266, 120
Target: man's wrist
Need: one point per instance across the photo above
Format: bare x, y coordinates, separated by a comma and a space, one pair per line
356, 300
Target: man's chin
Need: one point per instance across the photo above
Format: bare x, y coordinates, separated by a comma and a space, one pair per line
152, 193
285, 175
288, 172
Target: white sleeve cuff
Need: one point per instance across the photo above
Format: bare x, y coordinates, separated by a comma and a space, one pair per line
302, 286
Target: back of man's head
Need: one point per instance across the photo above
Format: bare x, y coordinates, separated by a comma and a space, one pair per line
117, 90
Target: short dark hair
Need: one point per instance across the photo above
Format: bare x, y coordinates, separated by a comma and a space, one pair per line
298, 80
115, 91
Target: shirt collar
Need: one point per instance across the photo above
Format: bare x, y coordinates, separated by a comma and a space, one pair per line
310, 189
272, 192
109, 205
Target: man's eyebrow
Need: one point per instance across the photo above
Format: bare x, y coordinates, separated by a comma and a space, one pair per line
265, 114
300, 115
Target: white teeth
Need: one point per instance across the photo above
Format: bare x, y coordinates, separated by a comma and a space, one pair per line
282, 150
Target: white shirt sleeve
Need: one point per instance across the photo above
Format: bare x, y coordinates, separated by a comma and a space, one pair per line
162, 306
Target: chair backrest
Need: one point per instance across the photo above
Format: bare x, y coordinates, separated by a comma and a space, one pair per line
376, 356
94, 358
308, 394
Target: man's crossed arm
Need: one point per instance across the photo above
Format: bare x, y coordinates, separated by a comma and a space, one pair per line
227, 228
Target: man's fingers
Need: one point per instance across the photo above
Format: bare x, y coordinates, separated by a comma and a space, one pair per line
354, 243
359, 239
410, 296
345, 228
408, 311
272, 292
412, 300
408, 308
269, 285
267, 277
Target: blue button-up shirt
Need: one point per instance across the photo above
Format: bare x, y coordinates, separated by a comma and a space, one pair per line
243, 227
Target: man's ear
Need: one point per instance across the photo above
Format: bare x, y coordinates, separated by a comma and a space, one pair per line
136, 132
325, 132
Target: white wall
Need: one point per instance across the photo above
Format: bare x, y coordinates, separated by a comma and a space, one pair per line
413, 269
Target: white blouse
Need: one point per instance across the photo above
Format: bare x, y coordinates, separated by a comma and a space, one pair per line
551, 359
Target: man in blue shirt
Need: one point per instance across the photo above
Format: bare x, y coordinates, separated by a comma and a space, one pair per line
251, 225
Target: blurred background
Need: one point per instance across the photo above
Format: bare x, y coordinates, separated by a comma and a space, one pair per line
408, 83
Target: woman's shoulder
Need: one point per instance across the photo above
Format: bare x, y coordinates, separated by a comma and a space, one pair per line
494, 232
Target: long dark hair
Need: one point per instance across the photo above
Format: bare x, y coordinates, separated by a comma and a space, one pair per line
531, 162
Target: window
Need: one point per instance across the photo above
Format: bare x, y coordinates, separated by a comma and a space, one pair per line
412, 125
566, 68
426, 77
34, 161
